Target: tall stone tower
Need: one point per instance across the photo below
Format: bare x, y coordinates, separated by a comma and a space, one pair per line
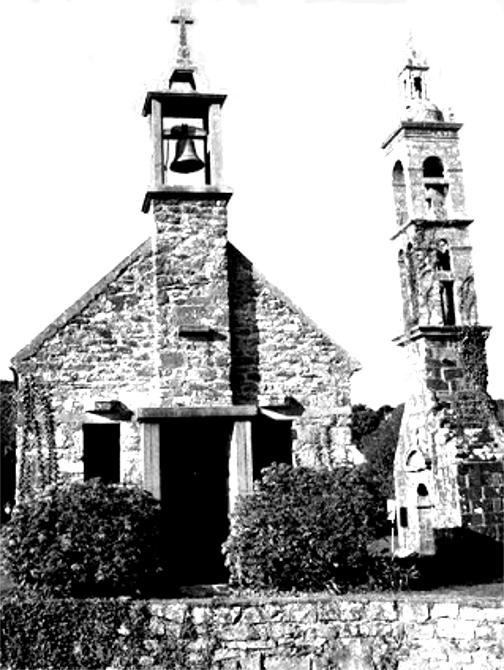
448, 467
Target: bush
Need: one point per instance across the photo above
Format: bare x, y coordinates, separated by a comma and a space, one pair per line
301, 529
85, 539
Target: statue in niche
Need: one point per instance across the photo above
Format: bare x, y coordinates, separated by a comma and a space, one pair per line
467, 301
435, 197
447, 303
443, 260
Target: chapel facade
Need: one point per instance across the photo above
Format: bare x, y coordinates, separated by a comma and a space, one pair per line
183, 370
449, 458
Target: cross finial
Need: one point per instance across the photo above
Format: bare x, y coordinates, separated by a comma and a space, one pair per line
413, 54
183, 19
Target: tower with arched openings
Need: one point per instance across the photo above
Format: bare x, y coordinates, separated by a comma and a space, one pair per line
448, 466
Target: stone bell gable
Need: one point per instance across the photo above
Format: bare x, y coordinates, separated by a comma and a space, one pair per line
174, 328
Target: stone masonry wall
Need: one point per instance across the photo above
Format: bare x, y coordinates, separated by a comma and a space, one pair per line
102, 348
349, 633
481, 487
278, 353
186, 321
191, 290
412, 146
449, 420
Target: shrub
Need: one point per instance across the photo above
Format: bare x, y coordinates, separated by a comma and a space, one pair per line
85, 539
301, 529
38, 632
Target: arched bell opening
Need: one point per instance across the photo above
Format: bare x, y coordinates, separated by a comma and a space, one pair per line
399, 187
436, 188
433, 168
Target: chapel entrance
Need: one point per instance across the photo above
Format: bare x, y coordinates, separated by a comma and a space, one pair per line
194, 468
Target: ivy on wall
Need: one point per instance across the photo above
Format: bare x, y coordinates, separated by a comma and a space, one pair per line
38, 461
473, 355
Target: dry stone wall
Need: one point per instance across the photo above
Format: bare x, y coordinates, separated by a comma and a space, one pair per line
344, 633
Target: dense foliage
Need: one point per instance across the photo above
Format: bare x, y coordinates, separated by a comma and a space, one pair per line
302, 529
379, 447
52, 633
48, 633
366, 420
375, 433
85, 539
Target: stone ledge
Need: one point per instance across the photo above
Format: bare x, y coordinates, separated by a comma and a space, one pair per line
163, 193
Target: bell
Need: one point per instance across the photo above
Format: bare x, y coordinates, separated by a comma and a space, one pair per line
186, 159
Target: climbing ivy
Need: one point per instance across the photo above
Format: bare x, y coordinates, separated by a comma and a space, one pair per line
38, 461
473, 354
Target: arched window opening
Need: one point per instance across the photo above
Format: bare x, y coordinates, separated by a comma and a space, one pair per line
433, 168
398, 173
400, 257
443, 260
423, 498
415, 461
418, 87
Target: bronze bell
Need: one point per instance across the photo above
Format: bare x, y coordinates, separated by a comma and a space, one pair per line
186, 159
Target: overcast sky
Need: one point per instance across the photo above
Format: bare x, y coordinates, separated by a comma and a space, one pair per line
312, 88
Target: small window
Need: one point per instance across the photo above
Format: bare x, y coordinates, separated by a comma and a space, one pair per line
422, 490
102, 451
403, 517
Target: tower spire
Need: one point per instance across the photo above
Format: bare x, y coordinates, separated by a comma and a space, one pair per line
414, 86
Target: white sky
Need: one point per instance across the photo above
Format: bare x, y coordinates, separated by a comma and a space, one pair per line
312, 88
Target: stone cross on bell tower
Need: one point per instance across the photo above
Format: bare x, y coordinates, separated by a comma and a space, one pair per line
449, 424
183, 19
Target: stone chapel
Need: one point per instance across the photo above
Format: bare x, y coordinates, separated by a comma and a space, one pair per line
449, 458
183, 370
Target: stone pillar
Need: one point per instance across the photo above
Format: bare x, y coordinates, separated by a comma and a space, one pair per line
240, 462
157, 174
151, 455
215, 148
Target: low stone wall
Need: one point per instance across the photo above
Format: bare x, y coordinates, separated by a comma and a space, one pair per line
345, 633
